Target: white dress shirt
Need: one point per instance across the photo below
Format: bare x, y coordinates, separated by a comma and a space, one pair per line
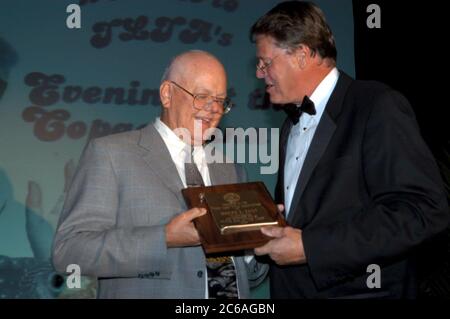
177, 149
178, 152
301, 135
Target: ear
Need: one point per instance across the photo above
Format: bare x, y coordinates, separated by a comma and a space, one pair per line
302, 53
302, 60
165, 94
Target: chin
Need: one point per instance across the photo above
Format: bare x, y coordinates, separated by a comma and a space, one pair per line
206, 135
275, 98
279, 100
276, 101
205, 126
210, 127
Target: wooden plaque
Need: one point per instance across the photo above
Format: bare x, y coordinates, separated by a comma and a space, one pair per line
236, 212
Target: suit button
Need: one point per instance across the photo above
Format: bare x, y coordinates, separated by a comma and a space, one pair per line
199, 274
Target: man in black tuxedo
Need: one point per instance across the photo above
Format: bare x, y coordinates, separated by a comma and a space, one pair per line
359, 185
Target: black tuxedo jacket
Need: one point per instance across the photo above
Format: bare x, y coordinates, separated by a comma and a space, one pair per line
369, 192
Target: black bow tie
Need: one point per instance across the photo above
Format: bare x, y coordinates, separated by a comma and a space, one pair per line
294, 112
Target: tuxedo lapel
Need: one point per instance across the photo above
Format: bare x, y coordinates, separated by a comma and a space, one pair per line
279, 190
318, 145
158, 159
322, 137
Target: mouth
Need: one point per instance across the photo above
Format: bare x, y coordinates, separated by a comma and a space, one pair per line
269, 86
204, 120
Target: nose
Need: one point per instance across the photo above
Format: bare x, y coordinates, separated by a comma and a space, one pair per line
260, 74
213, 106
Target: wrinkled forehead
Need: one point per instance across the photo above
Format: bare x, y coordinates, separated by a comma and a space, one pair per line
208, 78
210, 84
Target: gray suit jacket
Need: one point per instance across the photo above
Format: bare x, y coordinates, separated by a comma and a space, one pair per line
125, 191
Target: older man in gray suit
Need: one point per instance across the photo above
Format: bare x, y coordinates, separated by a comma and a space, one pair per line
125, 220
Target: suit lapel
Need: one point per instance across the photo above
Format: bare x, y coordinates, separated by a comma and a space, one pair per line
219, 173
158, 159
219, 170
322, 137
215, 174
279, 190
318, 145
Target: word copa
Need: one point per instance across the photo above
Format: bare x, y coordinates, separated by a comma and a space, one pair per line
50, 126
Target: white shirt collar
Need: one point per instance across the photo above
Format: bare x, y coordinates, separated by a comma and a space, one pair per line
177, 147
321, 95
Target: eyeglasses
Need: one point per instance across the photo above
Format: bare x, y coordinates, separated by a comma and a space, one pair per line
262, 65
201, 101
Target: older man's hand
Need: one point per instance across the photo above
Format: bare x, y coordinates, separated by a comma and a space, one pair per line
181, 232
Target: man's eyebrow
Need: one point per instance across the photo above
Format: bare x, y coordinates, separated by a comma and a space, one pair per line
208, 92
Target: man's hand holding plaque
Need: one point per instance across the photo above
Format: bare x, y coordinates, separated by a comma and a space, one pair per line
235, 214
